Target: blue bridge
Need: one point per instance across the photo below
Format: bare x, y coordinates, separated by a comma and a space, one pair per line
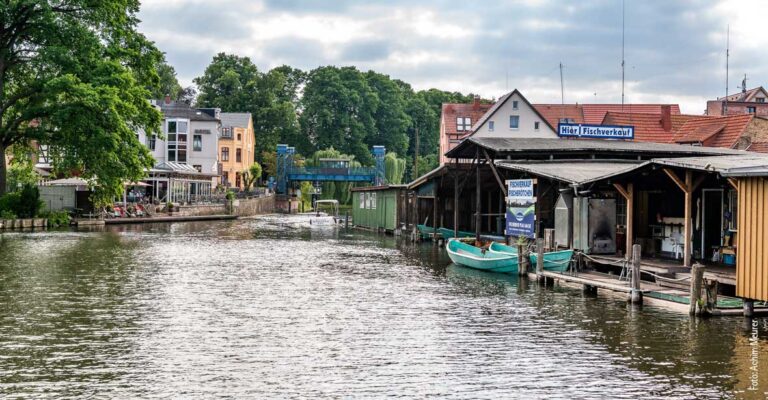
329, 170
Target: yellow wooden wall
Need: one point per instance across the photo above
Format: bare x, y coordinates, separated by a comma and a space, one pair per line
752, 254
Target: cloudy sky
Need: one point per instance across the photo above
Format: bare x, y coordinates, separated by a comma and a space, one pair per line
675, 50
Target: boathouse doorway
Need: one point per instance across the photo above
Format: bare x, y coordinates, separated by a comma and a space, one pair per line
712, 222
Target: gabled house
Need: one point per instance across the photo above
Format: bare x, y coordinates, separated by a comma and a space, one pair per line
236, 148
753, 101
456, 120
513, 116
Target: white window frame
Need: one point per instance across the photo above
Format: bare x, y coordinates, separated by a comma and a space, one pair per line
173, 146
373, 201
515, 105
517, 127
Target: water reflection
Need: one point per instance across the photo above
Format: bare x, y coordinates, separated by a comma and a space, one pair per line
273, 307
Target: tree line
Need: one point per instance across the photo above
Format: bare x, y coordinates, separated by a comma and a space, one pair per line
329, 107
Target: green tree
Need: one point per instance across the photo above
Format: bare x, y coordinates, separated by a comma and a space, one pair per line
338, 111
73, 75
252, 175
390, 117
21, 168
394, 168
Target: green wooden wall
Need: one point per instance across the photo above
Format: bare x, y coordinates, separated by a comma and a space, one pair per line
375, 208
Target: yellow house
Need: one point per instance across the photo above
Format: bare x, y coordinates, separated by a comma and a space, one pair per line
236, 148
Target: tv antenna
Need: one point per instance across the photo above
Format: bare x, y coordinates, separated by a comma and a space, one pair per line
622, 55
727, 56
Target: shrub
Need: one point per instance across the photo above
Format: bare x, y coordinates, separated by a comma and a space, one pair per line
6, 214
24, 204
230, 195
56, 218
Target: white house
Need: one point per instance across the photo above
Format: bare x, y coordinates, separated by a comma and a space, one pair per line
187, 159
513, 117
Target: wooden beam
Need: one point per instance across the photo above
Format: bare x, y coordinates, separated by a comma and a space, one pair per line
624, 193
456, 201
698, 182
687, 239
478, 199
495, 172
630, 217
734, 183
679, 182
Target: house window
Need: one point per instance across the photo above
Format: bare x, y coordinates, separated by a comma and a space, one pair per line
750, 110
514, 104
373, 201
463, 124
361, 200
239, 136
239, 155
237, 179
152, 142
225, 178
197, 143
760, 99
177, 140
225, 154
514, 121
226, 133
490, 126
536, 125
198, 167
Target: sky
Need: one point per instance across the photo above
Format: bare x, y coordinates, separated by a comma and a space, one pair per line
674, 50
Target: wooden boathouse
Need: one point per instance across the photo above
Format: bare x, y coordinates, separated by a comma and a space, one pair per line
683, 205
380, 207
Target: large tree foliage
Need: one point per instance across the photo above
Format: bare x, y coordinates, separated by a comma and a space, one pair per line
235, 84
169, 85
394, 169
73, 75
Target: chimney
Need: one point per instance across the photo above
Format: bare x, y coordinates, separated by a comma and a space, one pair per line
476, 103
167, 99
666, 117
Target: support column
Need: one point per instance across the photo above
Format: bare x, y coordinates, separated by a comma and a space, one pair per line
687, 240
456, 203
478, 199
636, 295
697, 276
629, 196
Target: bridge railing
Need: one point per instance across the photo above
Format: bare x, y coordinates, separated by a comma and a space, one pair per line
333, 171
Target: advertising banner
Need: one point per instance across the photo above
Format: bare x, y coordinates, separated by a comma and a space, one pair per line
521, 208
596, 131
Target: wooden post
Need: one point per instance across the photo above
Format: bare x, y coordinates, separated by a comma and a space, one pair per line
540, 259
456, 202
710, 291
521, 269
688, 228
636, 295
749, 308
697, 275
346, 220
630, 216
478, 200
434, 217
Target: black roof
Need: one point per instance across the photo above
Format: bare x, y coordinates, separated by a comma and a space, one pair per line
177, 109
537, 148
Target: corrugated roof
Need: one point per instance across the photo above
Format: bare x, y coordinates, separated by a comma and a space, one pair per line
539, 146
574, 172
239, 120
742, 164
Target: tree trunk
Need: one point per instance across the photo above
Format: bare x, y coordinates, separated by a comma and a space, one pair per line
3, 170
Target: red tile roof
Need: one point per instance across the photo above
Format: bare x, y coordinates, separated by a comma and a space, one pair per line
451, 111
647, 126
759, 147
595, 113
554, 112
731, 129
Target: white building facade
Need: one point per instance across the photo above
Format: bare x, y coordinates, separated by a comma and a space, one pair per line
513, 117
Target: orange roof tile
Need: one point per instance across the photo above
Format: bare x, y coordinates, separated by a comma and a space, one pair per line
451, 111
733, 126
554, 112
595, 113
759, 147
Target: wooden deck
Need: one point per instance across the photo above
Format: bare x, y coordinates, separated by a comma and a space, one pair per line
673, 268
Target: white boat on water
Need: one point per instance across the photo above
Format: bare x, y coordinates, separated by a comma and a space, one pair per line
331, 217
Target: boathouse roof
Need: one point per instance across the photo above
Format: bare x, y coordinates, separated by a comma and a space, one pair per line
525, 148
748, 164
575, 172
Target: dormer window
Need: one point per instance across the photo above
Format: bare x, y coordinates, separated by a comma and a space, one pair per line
760, 99
463, 124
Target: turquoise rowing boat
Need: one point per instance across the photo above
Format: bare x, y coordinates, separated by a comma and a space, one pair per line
473, 257
497, 247
556, 261
448, 233
425, 231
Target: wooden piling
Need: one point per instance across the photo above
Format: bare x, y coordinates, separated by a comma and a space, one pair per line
697, 276
636, 295
521, 267
540, 259
346, 220
749, 308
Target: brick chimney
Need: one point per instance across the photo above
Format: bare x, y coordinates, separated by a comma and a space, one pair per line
666, 117
167, 99
476, 103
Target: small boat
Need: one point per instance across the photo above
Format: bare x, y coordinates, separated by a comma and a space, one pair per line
324, 218
556, 261
473, 257
448, 233
497, 247
425, 231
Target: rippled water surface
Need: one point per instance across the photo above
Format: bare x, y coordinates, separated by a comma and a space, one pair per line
272, 308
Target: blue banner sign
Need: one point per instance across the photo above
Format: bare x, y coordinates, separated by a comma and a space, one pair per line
596, 131
521, 208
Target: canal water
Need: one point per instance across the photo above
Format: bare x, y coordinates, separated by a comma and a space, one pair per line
272, 307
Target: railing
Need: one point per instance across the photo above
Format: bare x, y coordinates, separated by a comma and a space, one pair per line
332, 171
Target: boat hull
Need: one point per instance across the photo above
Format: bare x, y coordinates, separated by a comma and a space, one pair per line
556, 261
499, 248
472, 257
